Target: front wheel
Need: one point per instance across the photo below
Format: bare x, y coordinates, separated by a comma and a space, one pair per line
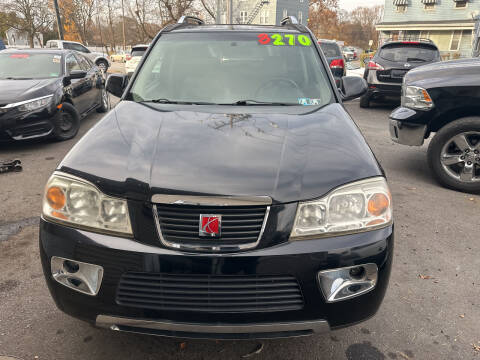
103, 65
67, 123
104, 101
365, 101
454, 155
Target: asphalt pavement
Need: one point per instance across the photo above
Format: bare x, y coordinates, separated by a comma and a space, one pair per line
431, 310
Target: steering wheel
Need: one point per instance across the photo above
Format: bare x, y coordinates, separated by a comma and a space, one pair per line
278, 81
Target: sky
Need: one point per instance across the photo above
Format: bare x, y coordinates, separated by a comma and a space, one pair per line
352, 4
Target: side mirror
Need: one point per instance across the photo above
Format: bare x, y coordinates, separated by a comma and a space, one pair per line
77, 74
116, 84
353, 87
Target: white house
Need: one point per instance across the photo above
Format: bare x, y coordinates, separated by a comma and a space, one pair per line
20, 38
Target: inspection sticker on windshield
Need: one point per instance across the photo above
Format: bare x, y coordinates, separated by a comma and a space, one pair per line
309, 102
56, 59
284, 40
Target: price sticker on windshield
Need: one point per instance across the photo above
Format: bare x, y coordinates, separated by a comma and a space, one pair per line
284, 40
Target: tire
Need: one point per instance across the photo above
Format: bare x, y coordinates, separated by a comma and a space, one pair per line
104, 101
365, 101
454, 155
67, 124
103, 65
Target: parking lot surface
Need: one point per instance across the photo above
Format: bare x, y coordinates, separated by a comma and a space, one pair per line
431, 310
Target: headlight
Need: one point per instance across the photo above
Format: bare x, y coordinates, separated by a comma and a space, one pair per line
360, 206
415, 97
34, 104
78, 203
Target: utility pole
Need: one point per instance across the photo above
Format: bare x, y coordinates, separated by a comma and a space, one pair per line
123, 28
230, 11
59, 20
218, 20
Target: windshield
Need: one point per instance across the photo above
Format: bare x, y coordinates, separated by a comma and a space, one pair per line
407, 52
233, 68
331, 50
29, 66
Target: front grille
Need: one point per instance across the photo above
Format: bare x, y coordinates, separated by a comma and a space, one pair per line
210, 293
240, 225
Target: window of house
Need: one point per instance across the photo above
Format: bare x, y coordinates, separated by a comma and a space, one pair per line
456, 39
243, 16
401, 8
459, 4
264, 17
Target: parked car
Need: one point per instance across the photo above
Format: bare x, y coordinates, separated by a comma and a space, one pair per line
335, 58
134, 59
385, 71
349, 53
120, 56
100, 59
444, 98
45, 93
252, 208
2, 45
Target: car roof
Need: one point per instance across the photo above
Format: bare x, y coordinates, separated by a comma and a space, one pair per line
234, 28
140, 46
38, 51
411, 42
328, 41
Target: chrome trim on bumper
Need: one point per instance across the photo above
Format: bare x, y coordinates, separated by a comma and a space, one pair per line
407, 133
116, 323
211, 200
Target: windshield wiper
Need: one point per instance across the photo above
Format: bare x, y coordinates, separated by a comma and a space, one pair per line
17, 78
257, 102
167, 101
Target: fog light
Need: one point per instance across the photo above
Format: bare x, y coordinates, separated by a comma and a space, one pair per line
346, 283
76, 275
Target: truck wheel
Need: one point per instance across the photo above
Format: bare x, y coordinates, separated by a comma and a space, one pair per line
454, 155
67, 123
365, 101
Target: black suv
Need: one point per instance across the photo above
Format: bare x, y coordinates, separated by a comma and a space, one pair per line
444, 98
385, 71
228, 195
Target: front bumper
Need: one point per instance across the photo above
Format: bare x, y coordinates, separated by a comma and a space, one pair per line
20, 126
406, 127
302, 260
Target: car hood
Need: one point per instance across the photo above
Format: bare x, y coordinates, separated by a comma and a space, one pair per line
139, 150
12, 91
465, 72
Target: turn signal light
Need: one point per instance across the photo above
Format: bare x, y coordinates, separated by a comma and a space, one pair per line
56, 198
378, 204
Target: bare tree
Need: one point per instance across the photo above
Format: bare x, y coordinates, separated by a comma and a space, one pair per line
32, 17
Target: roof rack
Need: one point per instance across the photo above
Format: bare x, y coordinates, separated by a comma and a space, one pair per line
289, 20
192, 20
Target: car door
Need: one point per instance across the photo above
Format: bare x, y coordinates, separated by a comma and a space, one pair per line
93, 82
79, 87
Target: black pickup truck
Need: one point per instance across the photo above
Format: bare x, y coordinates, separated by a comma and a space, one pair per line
443, 98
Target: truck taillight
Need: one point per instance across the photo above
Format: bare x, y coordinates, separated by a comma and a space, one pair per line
372, 65
337, 64
128, 56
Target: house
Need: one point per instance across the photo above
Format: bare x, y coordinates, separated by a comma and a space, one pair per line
20, 38
449, 23
268, 12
